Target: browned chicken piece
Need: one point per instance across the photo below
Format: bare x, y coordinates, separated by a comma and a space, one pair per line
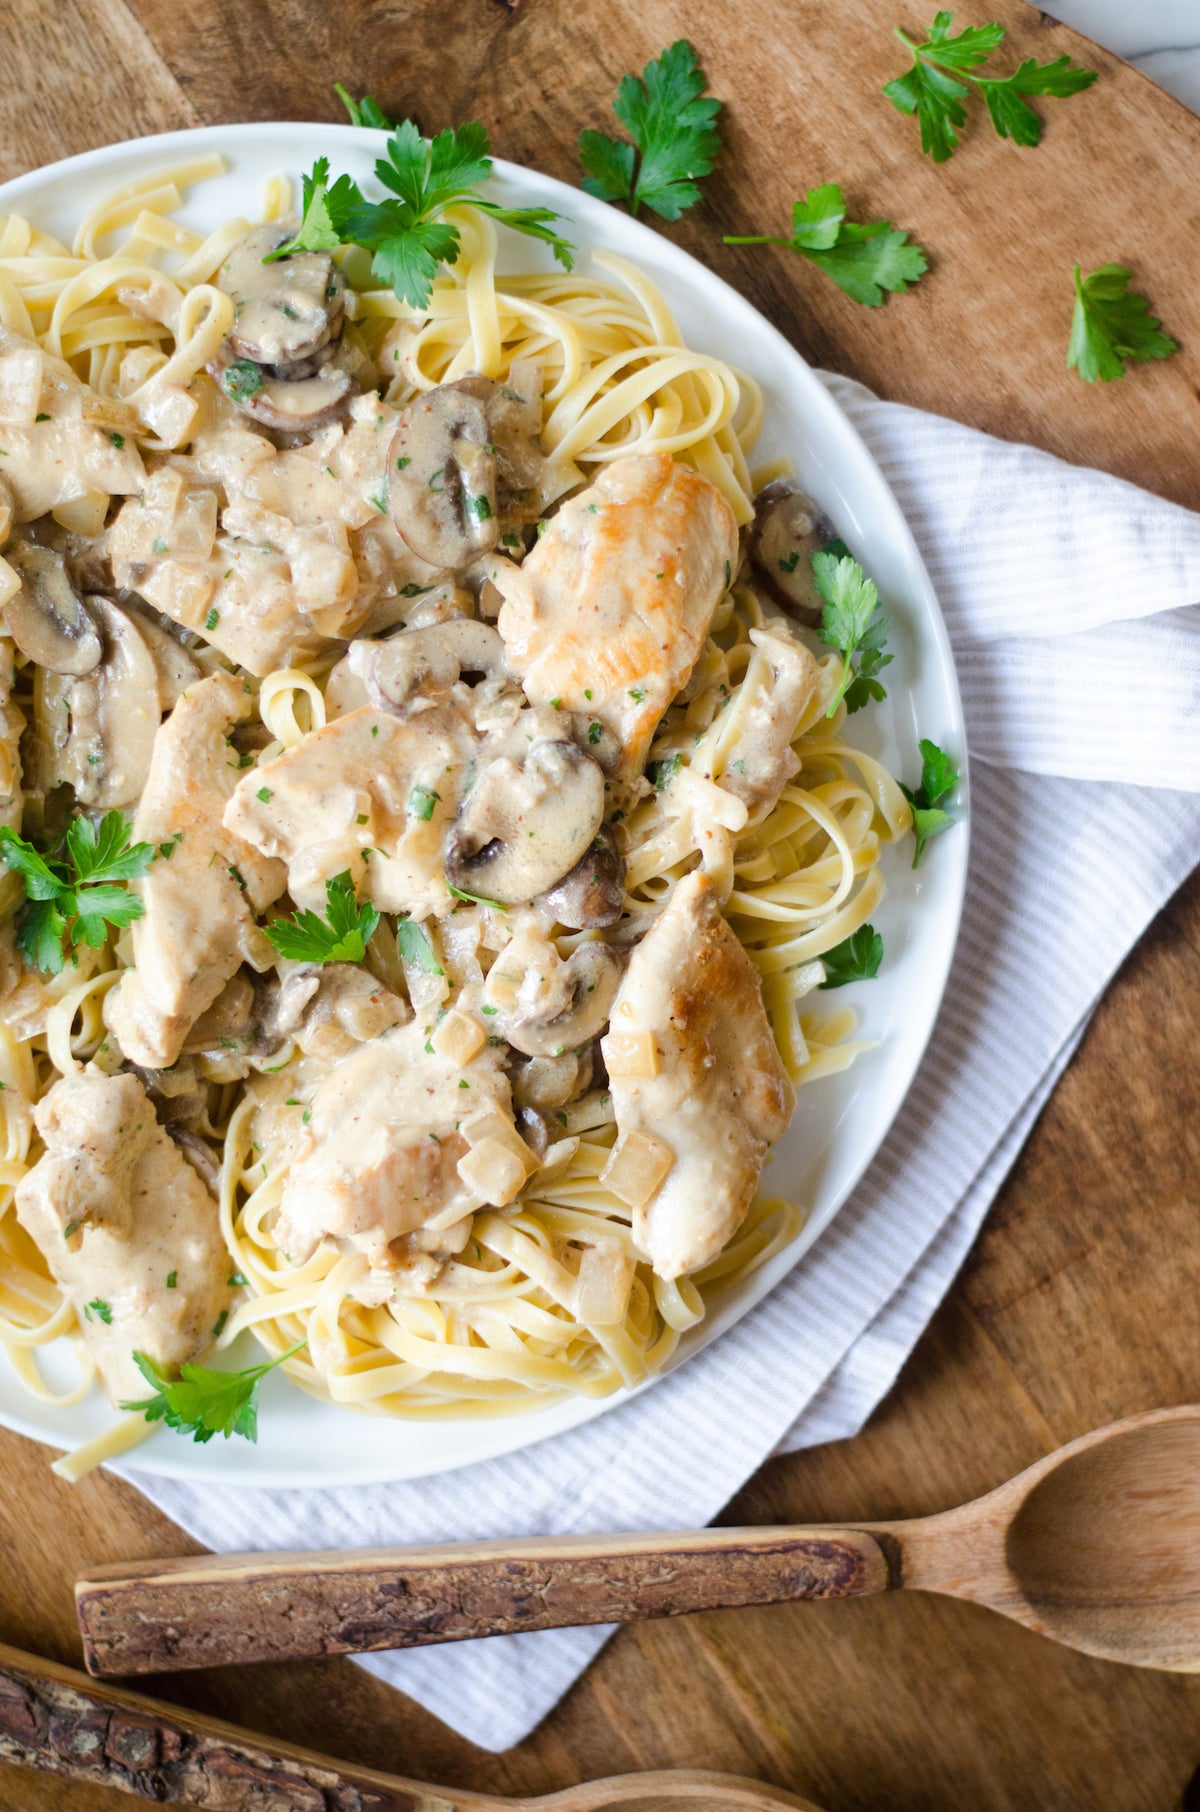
379, 1156
758, 763
690, 1009
610, 610
202, 897
127, 1228
371, 793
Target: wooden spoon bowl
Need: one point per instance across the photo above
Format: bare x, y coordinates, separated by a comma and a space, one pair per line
1127, 1511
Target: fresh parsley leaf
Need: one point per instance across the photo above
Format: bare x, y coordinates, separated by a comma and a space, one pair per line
76, 897
40, 931
426, 178
326, 213
341, 937
856, 958
476, 899
203, 1402
412, 941
939, 777
937, 98
863, 259
366, 112
103, 852
98, 1307
671, 122
1112, 323
851, 623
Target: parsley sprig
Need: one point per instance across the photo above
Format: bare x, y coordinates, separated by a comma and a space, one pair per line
864, 259
937, 97
405, 233
74, 896
366, 112
852, 623
671, 122
939, 777
856, 958
203, 1402
341, 937
1112, 323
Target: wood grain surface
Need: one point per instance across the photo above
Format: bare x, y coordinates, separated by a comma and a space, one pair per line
1079, 1302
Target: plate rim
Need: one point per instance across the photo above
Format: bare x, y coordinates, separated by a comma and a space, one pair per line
535, 1425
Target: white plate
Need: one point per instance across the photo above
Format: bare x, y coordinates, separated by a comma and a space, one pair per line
839, 1122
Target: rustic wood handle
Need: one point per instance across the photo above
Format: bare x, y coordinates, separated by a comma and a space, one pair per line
58, 1720
207, 1610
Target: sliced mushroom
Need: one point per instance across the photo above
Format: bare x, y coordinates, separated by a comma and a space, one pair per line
521, 824
177, 1095
46, 618
593, 893
547, 1083
566, 1013
299, 406
288, 310
424, 659
789, 528
173, 664
514, 419
103, 723
442, 477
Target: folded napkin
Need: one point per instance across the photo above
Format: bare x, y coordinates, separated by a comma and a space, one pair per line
1070, 599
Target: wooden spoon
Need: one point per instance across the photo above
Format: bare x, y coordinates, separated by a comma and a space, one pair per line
60, 1721
1096, 1546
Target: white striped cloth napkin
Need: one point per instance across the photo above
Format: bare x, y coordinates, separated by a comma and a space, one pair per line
1071, 602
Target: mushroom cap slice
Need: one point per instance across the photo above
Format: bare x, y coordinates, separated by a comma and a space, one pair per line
521, 826
300, 405
584, 991
46, 618
592, 895
425, 659
788, 529
107, 719
287, 310
442, 477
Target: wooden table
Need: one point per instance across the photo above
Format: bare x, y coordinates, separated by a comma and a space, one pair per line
1079, 1302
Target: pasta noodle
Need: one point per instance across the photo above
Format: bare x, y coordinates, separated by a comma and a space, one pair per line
132, 307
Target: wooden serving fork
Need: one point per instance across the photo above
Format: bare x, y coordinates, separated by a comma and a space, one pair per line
1096, 1546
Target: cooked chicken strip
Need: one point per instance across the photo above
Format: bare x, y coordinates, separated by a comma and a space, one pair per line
379, 1156
371, 793
610, 610
758, 763
720, 1095
201, 899
127, 1228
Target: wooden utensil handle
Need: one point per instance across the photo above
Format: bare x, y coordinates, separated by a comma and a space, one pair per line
58, 1720
206, 1610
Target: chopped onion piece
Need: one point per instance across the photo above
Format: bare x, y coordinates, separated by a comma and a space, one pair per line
637, 1167
603, 1284
459, 1037
493, 1171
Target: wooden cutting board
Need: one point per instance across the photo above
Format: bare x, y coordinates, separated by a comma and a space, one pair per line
1079, 1303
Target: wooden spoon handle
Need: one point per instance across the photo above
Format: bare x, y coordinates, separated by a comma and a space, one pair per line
58, 1720
207, 1610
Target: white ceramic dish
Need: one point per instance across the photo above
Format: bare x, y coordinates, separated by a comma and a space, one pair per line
839, 1122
